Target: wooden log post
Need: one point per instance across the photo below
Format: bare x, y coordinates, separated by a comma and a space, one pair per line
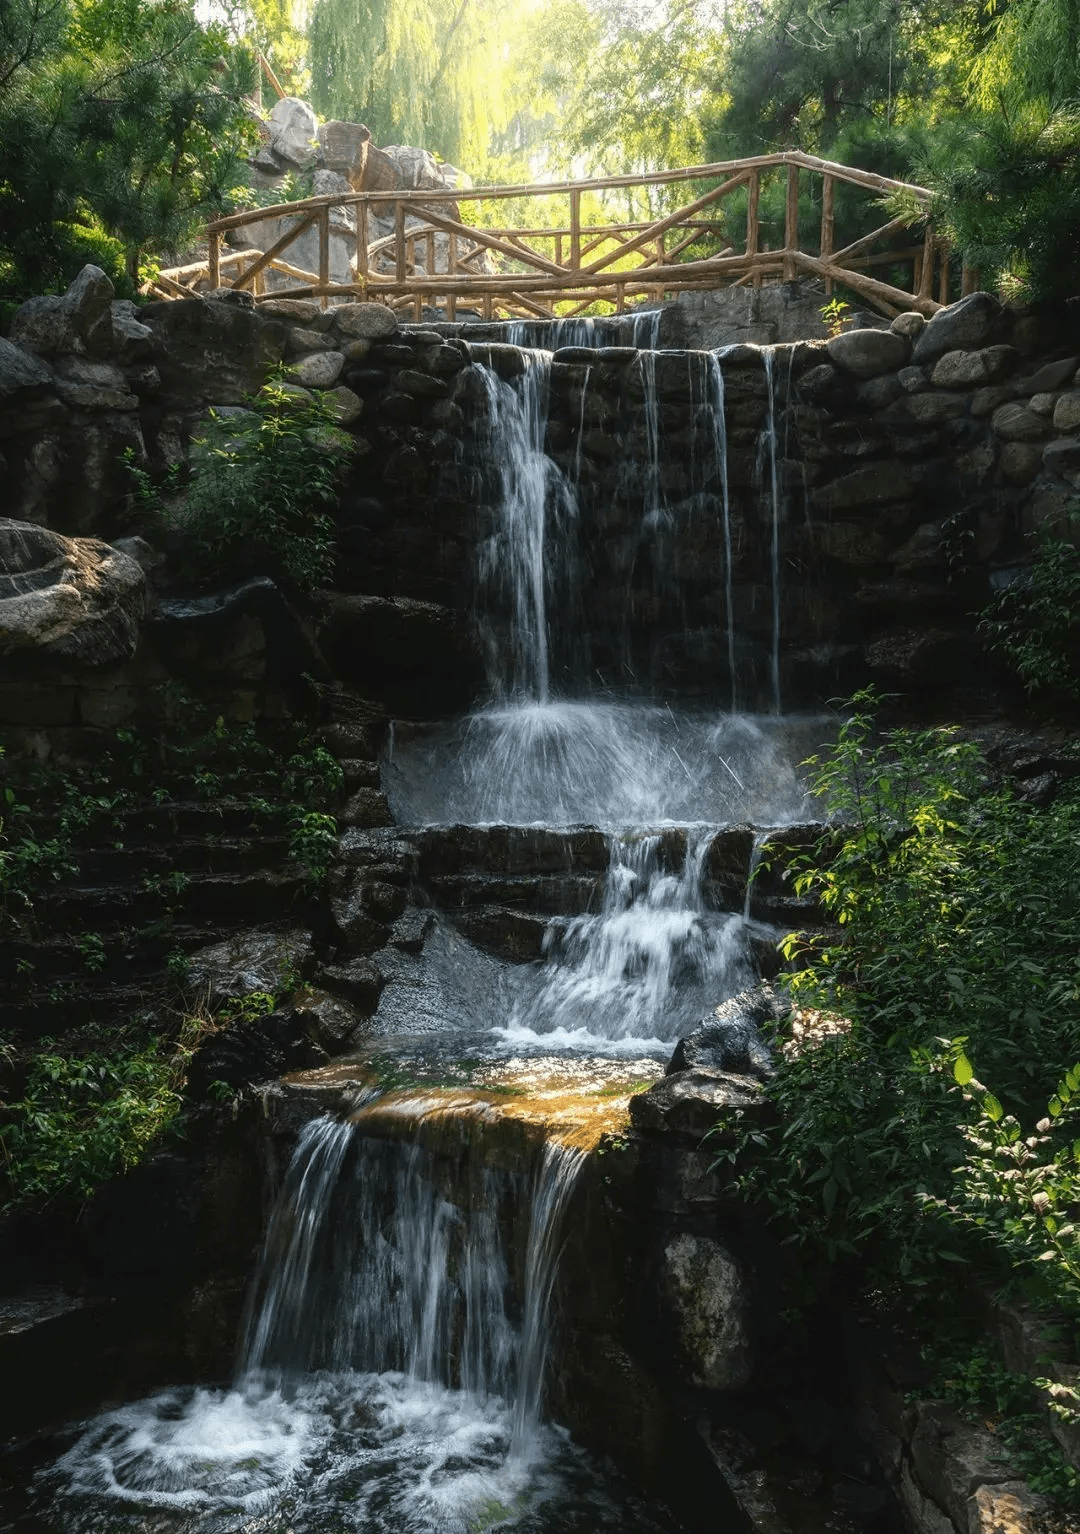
213, 260
753, 223
362, 258
575, 229
324, 253
926, 267
791, 222
399, 241
431, 252
970, 280
943, 272
451, 267
828, 225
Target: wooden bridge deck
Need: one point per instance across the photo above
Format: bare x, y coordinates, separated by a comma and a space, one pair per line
432, 256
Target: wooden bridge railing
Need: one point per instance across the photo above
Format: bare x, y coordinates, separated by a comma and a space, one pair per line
425, 253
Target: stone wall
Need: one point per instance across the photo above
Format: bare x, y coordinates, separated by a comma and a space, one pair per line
910, 464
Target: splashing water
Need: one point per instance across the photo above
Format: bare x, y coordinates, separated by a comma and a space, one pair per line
640, 972
383, 1382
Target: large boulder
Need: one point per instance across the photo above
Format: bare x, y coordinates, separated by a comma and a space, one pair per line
293, 133
344, 148
972, 323
256, 960
69, 600
210, 352
79, 321
866, 353
728, 1039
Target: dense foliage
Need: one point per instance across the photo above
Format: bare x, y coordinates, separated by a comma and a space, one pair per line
78, 1109
956, 906
122, 127
258, 490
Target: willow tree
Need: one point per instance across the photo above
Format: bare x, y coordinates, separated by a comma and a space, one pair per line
426, 72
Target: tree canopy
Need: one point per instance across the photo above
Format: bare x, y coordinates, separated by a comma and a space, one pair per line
122, 124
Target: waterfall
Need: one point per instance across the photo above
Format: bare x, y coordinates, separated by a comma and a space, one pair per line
770, 467
531, 547
637, 974
555, 1178
718, 423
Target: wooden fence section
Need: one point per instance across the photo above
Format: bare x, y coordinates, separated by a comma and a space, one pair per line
413, 248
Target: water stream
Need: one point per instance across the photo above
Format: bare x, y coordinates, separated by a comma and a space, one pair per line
391, 1373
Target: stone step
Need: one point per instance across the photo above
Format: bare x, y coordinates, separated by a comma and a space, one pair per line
227, 900
212, 855
148, 823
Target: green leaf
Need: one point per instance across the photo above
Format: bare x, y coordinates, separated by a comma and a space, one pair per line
992, 1108
962, 1071
1054, 1107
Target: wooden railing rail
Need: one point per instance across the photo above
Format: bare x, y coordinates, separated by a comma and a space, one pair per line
432, 254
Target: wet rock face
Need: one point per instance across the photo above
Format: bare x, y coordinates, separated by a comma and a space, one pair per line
729, 1039
705, 1303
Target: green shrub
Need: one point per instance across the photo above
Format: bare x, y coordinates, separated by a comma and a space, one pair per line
84, 1119
1034, 624
259, 490
956, 910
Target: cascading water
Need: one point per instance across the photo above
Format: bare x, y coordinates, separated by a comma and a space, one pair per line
536, 511
718, 424
637, 975
768, 471
385, 1383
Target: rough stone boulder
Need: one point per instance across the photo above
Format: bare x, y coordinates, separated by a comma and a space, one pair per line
344, 148
79, 321
387, 642
690, 1103
705, 1302
965, 326
211, 352
866, 353
256, 960
728, 1039
72, 600
293, 130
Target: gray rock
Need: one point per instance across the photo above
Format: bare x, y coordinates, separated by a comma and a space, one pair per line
1021, 462
728, 1038
256, 960
923, 550
365, 322
327, 1019
72, 600
877, 484
302, 340
1053, 375
211, 353
80, 321
349, 406
705, 1302
925, 409
1015, 422
86, 385
1008, 1507
318, 370
297, 311
1067, 412
1042, 404
963, 369
953, 1458
963, 326
860, 545
690, 1103
913, 380
23, 375
293, 132
909, 325
133, 341
1062, 458
866, 353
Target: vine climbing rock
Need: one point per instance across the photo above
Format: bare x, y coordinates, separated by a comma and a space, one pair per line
76, 601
